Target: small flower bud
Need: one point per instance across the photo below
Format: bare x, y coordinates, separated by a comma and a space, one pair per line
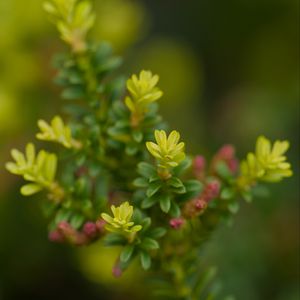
200, 204
72, 235
117, 271
90, 229
226, 152
56, 236
100, 224
65, 228
233, 165
199, 164
176, 223
211, 190
194, 207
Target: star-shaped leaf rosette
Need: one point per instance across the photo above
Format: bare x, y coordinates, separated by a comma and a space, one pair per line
120, 222
167, 150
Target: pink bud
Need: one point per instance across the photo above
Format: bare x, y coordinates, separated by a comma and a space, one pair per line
211, 190
176, 223
200, 204
72, 235
100, 226
56, 236
199, 164
117, 271
90, 229
226, 152
80, 239
65, 227
233, 165
67, 231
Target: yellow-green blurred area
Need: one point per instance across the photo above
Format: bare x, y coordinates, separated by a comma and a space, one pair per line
229, 71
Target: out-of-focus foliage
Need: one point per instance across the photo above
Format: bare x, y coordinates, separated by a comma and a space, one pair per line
73, 20
121, 22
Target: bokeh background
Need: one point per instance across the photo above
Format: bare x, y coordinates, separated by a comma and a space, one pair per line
229, 71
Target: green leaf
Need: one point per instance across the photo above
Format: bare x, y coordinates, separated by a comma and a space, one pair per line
63, 215
175, 210
75, 92
90, 120
146, 170
103, 50
151, 121
75, 110
48, 207
148, 202
193, 186
126, 253
175, 182
82, 186
137, 216
120, 111
185, 164
154, 178
110, 65
260, 191
80, 160
40, 160
180, 190
165, 203
146, 222
223, 171
137, 136
227, 193
61, 79
145, 260
114, 239
76, 78
50, 167
87, 205
141, 182
122, 123
116, 131
149, 244
77, 220
247, 196
234, 207
117, 89
131, 149
204, 280
30, 189
153, 188
157, 232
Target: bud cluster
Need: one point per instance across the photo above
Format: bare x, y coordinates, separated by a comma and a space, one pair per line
66, 233
197, 206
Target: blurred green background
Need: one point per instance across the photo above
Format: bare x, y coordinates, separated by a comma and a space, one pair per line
229, 71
